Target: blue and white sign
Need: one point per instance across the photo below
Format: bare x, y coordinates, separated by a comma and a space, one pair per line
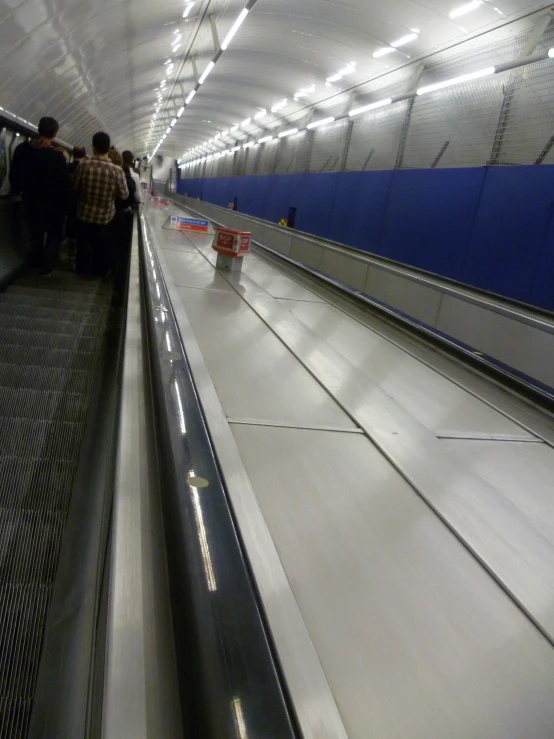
180, 223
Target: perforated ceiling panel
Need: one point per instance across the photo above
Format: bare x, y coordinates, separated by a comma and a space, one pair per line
99, 64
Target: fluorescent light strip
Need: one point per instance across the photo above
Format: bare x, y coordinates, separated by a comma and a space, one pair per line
290, 132
191, 94
465, 9
457, 80
371, 106
181, 111
404, 40
187, 10
334, 78
265, 139
235, 27
323, 122
382, 52
248, 145
206, 72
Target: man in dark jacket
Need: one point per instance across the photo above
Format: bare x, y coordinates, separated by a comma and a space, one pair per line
39, 173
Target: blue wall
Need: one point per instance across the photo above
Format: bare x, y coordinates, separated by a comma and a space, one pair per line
488, 227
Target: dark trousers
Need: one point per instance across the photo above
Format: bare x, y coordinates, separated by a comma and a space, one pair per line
45, 234
94, 248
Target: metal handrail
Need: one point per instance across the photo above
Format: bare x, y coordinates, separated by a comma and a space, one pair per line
229, 678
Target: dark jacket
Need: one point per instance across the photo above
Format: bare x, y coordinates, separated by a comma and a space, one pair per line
123, 205
39, 173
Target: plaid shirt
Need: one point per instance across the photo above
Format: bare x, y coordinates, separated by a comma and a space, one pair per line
98, 183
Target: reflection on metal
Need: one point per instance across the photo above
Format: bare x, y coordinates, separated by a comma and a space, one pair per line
239, 718
203, 539
182, 424
198, 482
168, 342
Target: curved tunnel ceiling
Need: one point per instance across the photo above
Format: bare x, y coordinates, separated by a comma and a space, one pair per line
100, 64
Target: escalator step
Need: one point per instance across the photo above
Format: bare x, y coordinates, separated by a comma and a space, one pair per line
51, 332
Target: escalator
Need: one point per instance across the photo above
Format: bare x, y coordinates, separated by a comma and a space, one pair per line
51, 334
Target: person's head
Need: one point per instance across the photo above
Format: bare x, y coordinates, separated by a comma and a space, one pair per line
79, 152
48, 128
128, 158
101, 143
115, 157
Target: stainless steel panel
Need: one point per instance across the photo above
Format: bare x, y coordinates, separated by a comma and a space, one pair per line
278, 239
518, 345
254, 374
269, 280
193, 270
317, 713
343, 267
414, 637
522, 472
140, 689
403, 294
307, 251
440, 405
506, 545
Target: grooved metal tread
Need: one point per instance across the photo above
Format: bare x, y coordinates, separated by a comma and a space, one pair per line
51, 331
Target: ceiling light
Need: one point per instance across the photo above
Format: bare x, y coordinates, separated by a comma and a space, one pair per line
246, 122
181, 111
334, 78
235, 128
235, 148
371, 106
290, 132
224, 133
206, 72
551, 53
174, 48
191, 94
168, 61
457, 80
322, 122
235, 27
187, 10
464, 9
381, 52
348, 69
261, 114
168, 129
173, 122
404, 40
265, 139
279, 105
248, 145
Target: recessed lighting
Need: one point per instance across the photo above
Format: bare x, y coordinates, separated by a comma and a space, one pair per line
464, 9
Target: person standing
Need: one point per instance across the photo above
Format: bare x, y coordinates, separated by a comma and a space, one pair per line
79, 155
39, 173
98, 183
129, 160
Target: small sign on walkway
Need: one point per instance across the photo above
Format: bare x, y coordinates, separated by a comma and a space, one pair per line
180, 223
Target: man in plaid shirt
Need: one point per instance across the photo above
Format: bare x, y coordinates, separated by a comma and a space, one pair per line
98, 183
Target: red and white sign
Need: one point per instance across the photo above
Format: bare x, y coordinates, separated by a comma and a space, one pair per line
231, 243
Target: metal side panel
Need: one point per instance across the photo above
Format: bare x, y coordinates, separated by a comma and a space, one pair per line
401, 293
141, 698
306, 251
517, 344
351, 272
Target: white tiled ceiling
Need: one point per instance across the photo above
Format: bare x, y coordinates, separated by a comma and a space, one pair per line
96, 64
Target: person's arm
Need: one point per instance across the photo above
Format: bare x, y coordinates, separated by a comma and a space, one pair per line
122, 191
17, 170
76, 179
